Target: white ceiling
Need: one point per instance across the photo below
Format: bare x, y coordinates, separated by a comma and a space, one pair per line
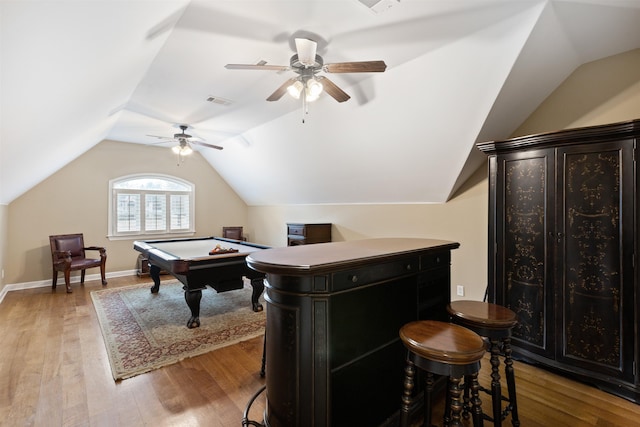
75, 72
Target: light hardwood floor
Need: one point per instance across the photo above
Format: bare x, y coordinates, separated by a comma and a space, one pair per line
54, 371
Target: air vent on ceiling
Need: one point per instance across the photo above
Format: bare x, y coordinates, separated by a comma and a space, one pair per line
218, 100
379, 6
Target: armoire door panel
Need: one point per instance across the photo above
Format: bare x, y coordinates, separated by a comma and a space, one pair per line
595, 192
524, 246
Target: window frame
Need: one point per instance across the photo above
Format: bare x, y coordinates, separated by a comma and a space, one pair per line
113, 234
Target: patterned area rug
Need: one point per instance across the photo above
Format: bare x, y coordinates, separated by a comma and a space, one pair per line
144, 331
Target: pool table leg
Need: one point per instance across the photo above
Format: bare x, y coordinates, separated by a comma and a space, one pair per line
154, 272
193, 301
258, 288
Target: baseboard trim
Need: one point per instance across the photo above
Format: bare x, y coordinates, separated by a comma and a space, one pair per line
47, 283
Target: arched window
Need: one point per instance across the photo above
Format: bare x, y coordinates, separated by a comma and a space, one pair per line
147, 205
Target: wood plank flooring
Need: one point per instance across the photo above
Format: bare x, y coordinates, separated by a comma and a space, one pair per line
54, 371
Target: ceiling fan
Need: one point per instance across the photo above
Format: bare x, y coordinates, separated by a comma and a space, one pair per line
184, 140
308, 85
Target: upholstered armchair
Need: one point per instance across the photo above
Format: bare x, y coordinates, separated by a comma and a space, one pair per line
68, 254
233, 233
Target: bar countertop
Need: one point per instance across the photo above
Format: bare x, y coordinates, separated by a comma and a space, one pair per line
323, 257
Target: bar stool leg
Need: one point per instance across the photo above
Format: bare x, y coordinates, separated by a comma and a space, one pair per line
446, 416
470, 387
409, 374
466, 406
456, 403
476, 403
428, 393
511, 381
496, 391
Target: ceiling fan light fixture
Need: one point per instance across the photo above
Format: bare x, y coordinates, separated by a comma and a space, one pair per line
314, 89
295, 89
182, 150
310, 98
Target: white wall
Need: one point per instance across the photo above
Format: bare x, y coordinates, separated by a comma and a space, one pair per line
463, 219
76, 198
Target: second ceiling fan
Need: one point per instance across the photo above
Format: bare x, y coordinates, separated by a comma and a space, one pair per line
306, 63
184, 140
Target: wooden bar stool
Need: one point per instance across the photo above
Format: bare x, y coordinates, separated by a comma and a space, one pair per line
442, 348
495, 323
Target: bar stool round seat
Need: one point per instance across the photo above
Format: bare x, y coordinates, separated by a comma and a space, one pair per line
494, 322
442, 348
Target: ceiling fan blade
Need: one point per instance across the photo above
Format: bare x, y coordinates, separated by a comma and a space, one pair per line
257, 67
170, 138
204, 144
194, 137
333, 90
281, 90
306, 50
356, 67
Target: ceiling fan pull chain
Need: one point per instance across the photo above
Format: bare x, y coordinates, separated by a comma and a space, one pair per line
303, 95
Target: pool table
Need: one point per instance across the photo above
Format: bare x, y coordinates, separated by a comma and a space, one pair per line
189, 261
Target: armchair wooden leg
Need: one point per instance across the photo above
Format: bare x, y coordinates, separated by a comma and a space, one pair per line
103, 268
67, 280
54, 281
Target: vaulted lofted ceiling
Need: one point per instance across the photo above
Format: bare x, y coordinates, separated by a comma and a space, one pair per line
74, 72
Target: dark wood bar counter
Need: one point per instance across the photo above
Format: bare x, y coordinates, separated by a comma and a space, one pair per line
334, 310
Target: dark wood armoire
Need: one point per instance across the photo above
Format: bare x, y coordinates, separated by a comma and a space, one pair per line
562, 242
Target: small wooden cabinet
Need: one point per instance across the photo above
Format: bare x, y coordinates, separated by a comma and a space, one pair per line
563, 234
142, 266
305, 234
